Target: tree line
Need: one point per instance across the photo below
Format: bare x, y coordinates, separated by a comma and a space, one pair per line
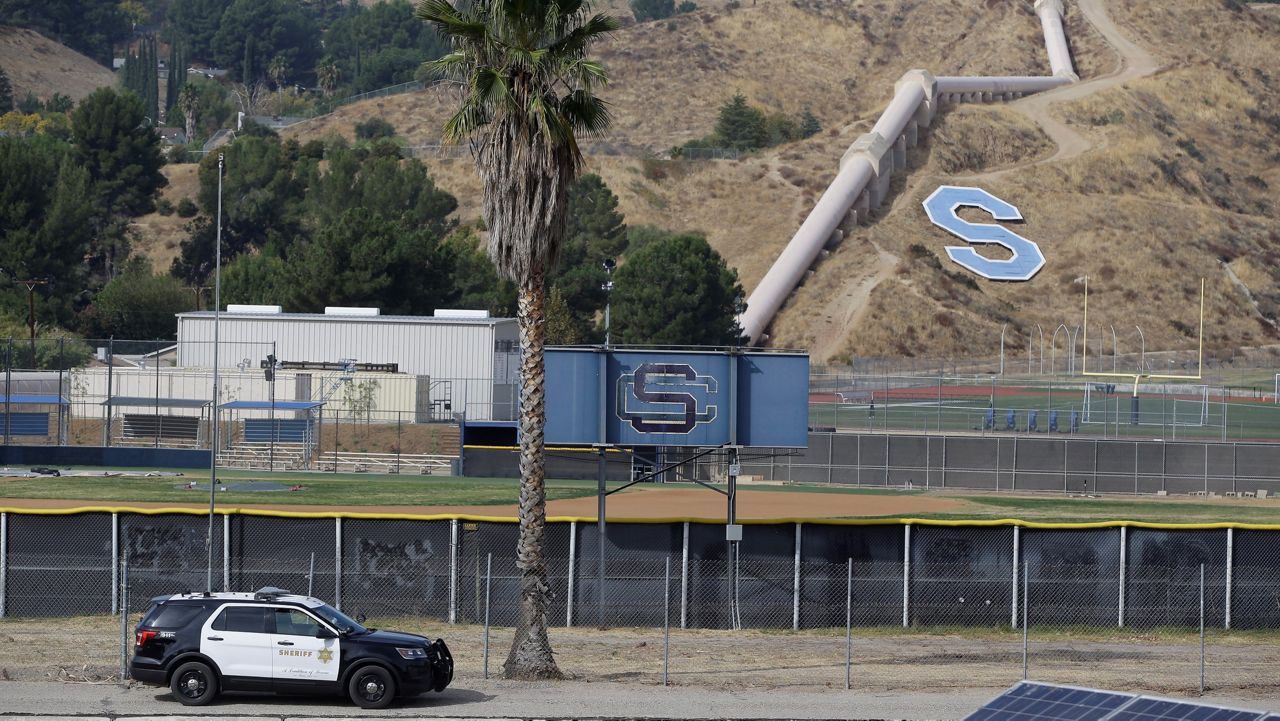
307, 225
365, 227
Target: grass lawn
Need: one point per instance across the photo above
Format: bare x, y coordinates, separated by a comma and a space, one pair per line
1085, 510
333, 489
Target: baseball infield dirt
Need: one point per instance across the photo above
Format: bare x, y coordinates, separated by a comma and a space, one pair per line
640, 502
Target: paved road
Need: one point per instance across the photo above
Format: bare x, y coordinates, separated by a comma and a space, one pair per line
509, 700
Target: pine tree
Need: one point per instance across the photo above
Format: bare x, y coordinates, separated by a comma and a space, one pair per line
6, 93
741, 126
809, 125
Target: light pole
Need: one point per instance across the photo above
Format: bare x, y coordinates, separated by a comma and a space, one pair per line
1053, 348
609, 265
1002, 330
213, 436
1075, 332
1115, 348
1041, 332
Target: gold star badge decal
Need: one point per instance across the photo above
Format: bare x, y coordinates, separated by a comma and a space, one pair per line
325, 655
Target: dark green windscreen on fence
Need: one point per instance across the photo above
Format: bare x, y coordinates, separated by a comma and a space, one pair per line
788, 575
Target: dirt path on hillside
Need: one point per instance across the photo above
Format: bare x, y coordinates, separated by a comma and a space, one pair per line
847, 309
1134, 63
849, 306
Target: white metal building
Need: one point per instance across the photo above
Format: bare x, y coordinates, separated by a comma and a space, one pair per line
474, 353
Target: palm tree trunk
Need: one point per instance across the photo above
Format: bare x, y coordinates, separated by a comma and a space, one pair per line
530, 656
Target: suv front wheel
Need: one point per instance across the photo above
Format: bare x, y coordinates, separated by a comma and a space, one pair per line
372, 687
194, 684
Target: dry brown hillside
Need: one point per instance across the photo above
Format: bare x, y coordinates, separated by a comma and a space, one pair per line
1175, 176
38, 65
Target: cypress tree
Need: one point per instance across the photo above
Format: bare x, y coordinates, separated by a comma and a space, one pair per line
248, 62
6, 93
153, 79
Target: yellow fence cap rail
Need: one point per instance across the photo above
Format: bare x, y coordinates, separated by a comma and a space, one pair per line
478, 518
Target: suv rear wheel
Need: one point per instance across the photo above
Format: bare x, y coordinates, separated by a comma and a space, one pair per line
371, 687
194, 684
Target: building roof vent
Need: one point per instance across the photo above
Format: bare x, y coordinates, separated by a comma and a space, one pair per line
459, 313
242, 308
341, 310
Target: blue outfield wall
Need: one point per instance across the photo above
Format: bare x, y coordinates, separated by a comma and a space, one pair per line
103, 456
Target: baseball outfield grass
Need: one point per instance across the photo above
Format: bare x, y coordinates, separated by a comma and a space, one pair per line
356, 490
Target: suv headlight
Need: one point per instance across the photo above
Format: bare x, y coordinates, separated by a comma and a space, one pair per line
412, 652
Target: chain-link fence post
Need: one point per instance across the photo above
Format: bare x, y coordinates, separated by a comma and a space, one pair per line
337, 562
906, 576
848, 624
570, 573
1013, 592
4, 562
311, 575
684, 578
115, 568
1202, 628
1231, 554
1025, 605
666, 621
1124, 546
124, 621
488, 579
453, 570
226, 552
795, 583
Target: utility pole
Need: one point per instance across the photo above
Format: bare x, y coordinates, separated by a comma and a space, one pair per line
199, 291
31, 284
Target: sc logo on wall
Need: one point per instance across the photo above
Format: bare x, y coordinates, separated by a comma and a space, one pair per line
664, 398
941, 207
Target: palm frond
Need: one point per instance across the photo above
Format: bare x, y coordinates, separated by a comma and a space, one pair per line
586, 113
575, 43
451, 23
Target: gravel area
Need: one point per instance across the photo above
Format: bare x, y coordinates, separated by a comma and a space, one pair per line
712, 674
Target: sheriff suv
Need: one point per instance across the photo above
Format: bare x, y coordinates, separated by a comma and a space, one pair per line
200, 644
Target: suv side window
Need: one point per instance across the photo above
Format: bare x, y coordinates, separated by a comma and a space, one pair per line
244, 619
293, 622
171, 615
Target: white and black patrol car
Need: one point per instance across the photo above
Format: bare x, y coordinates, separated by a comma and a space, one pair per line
200, 644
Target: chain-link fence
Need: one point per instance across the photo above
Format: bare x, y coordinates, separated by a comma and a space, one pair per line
1045, 407
814, 601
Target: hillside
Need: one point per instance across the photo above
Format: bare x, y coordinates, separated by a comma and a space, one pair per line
1171, 177
38, 65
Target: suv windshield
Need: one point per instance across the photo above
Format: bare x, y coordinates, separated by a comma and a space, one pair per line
340, 620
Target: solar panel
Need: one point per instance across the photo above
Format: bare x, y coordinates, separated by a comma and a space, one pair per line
1043, 702
1030, 701
1154, 709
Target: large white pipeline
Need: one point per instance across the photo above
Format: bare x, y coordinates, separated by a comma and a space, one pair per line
868, 164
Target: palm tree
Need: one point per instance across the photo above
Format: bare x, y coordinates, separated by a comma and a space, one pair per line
327, 74
278, 70
189, 104
528, 89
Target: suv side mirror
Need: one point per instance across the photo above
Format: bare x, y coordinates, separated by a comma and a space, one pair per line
323, 632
